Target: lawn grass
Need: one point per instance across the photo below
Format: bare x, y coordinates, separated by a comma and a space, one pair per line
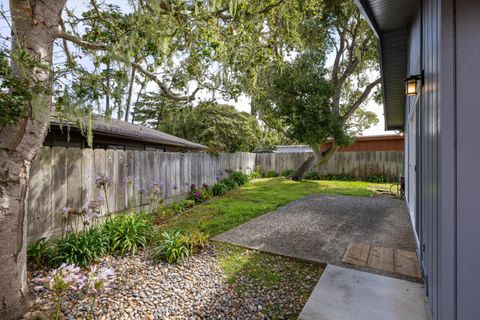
256, 198
285, 283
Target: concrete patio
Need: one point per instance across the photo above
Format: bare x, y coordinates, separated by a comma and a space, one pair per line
319, 228
346, 294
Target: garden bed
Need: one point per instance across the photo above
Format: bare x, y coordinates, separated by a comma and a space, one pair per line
221, 281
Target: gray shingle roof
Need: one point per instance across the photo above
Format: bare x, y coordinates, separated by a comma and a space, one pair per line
131, 131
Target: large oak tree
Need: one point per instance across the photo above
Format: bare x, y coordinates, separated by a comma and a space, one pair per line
312, 102
181, 46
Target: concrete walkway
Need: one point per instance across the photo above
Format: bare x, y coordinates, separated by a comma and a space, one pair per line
318, 228
346, 294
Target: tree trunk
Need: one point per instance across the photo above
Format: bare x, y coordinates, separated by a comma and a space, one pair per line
317, 159
129, 96
32, 23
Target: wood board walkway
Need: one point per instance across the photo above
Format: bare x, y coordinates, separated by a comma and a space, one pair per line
386, 259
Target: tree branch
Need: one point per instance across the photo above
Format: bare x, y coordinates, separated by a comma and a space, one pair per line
65, 44
96, 46
166, 90
270, 7
360, 100
80, 42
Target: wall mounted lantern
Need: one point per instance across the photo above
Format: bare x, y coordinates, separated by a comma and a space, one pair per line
412, 84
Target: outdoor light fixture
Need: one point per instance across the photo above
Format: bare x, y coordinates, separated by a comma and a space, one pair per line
411, 84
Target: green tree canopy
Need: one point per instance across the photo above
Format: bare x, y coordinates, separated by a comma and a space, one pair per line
311, 101
220, 127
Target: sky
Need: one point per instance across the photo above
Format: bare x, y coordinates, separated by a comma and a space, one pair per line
243, 102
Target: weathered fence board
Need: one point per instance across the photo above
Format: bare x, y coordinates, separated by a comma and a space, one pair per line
62, 177
357, 164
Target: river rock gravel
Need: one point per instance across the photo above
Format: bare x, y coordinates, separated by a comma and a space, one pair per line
194, 289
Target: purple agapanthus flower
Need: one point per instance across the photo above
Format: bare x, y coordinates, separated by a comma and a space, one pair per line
103, 181
64, 278
205, 185
130, 180
98, 280
193, 187
66, 211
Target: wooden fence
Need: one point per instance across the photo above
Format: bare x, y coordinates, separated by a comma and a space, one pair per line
61, 177
357, 164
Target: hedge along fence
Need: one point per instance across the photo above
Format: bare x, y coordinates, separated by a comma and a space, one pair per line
358, 164
65, 177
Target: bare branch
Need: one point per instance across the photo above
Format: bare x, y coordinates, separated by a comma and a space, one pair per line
360, 100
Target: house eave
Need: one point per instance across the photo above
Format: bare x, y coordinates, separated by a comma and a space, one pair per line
389, 21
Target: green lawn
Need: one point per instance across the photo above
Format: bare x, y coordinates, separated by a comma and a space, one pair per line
256, 198
284, 283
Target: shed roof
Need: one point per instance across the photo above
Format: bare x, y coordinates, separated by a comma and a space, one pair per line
390, 20
127, 130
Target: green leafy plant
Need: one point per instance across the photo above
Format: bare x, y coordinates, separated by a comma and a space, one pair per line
287, 172
195, 240
40, 252
171, 247
187, 203
199, 195
377, 178
219, 188
271, 174
80, 249
239, 177
230, 183
338, 177
176, 208
128, 233
255, 175
313, 175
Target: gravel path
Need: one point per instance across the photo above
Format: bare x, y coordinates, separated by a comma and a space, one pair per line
196, 289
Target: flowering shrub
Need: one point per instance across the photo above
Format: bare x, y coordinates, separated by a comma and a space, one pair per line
155, 194
98, 282
199, 195
60, 281
68, 278
103, 182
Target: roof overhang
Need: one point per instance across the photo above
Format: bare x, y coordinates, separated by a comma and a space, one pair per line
129, 131
390, 20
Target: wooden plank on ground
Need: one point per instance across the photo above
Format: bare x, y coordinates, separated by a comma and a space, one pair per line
381, 258
357, 254
406, 263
